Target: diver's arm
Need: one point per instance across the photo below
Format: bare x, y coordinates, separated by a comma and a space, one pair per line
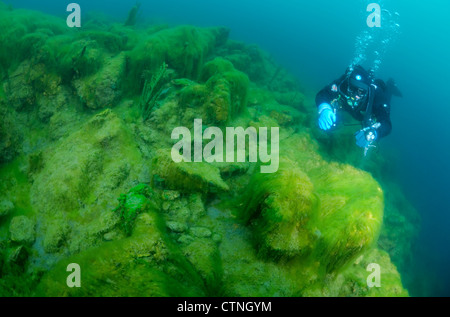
382, 114
329, 93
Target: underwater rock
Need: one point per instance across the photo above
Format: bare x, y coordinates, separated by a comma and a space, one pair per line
18, 256
67, 120
352, 281
400, 227
49, 105
229, 88
187, 177
286, 203
200, 232
102, 89
81, 177
138, 200
29, 81
196, 207
184, 48
81, 160
55, 235
6, 207
185, 239
22, 230
170, 195
176, 227
10, 135
150, 265
221, 97
205, 257
287, 208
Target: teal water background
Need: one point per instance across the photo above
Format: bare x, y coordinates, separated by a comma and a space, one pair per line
316, 41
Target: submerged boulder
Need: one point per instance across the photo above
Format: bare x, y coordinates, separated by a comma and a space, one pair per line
184, 48
145, 264
22, 230
6, 207
102, 89
81, 178
329, 214
187, 177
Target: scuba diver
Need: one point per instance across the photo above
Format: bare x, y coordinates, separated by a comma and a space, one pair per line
365, 98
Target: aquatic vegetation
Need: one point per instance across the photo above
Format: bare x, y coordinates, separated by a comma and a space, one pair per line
151, 91
200, 177
22, 230
102, 89
87, 175
184, 49
138, 200
132, 15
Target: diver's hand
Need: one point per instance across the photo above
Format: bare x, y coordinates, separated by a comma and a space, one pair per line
365, 137
327, 117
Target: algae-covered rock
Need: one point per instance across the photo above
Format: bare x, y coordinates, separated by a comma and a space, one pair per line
222, 96
6, 207
55, 235
81, 179
205, 257
22, 230
139, 199
285, 201
188, 177
145, 264
329, 215
102, 89
184, 48
354, 280
228, 88
81, 160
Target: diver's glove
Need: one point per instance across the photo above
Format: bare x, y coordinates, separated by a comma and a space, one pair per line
327, 117
365, 137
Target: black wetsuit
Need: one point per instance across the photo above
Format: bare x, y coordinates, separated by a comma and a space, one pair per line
380, 107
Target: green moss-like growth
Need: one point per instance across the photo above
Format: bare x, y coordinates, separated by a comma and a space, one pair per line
352, 282
22, 230
281, 205
331, 213
139, 199
24, 34
188, 177
10, 135
102, 89
221, 98
145, 264
151, 91
183, 48
229, 87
